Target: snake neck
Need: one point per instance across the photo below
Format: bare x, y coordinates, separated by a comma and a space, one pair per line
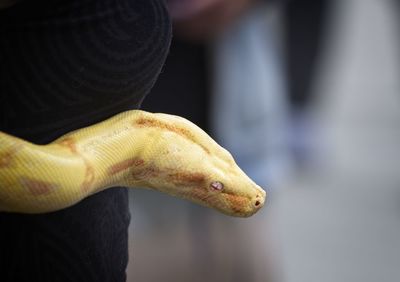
113, 153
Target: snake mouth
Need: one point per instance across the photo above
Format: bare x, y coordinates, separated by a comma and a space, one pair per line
243, 206
226, 202
233, 205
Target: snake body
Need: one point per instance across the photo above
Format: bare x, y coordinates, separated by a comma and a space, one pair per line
132, 149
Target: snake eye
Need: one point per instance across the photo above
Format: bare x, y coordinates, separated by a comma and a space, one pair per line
216, 185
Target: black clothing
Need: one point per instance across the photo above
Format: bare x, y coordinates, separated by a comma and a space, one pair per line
183, 87
65, 65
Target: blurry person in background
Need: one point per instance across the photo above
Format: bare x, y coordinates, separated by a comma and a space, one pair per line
225, 73
305, 30
340, 224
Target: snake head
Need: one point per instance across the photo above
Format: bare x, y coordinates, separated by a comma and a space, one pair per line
227, 188
187, 163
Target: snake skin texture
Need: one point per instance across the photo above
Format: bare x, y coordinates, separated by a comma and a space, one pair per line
133, 149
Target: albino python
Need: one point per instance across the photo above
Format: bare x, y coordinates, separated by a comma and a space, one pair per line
132, 149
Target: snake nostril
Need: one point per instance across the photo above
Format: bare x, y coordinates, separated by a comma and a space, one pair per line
257, 203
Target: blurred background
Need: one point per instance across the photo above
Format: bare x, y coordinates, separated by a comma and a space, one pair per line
306, 96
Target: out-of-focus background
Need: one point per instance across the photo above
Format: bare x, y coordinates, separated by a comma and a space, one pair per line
306, 96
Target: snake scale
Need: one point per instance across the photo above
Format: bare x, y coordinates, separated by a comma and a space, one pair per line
132, 149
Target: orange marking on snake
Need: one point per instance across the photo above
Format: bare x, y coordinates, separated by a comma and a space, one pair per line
178, 178
206, 197
147, 122
123, 165
185, 178
7, 157
200, 194
69, 143
237, 203
148, 172
38, 187
89, 177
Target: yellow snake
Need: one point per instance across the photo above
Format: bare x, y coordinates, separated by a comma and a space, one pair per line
132, 149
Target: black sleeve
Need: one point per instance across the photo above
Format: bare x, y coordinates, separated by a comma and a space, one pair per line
65, 65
